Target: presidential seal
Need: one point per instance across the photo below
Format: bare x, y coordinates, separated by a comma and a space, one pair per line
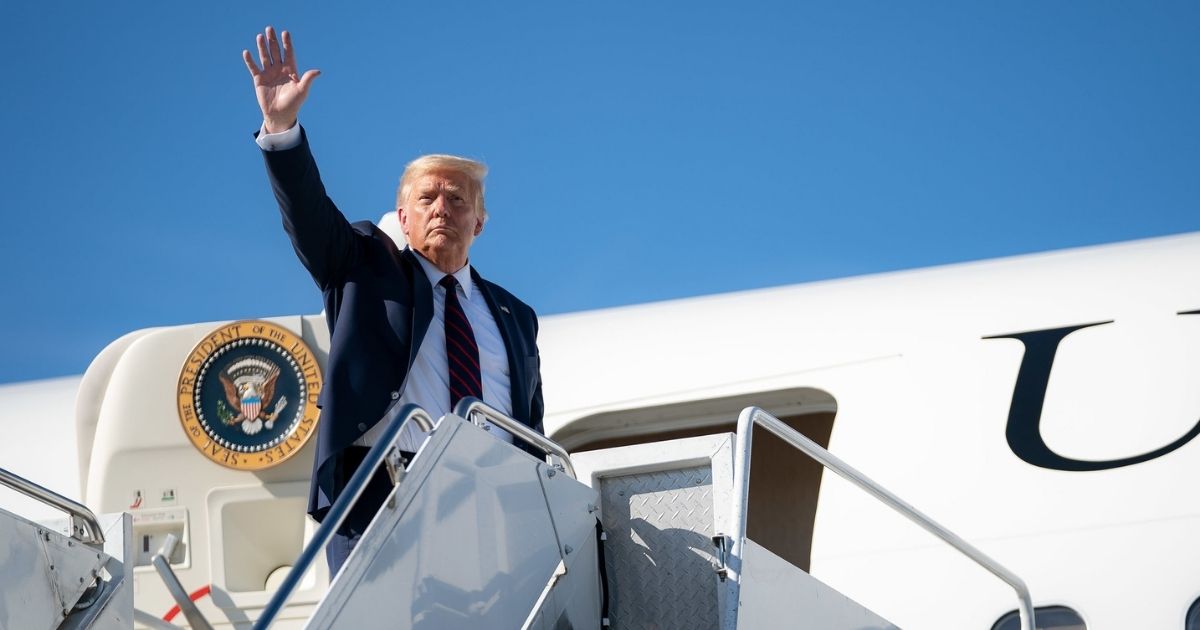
247, 395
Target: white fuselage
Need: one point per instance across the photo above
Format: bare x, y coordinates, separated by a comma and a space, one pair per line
919, 368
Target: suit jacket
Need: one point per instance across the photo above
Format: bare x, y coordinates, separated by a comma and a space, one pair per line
379, 303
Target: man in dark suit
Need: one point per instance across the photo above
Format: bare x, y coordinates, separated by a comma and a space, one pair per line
406, 325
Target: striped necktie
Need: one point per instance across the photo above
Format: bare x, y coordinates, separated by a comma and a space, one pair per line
462, 354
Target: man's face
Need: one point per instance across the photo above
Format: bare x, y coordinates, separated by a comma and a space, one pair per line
439, 219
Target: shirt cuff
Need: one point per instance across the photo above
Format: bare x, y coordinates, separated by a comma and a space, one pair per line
281, 141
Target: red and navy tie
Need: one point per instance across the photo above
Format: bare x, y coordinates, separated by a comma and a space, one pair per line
462, 353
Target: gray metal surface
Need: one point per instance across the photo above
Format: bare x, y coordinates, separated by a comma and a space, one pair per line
111, 607
659, 551
776, 594
572, 599
467, 540
395, 420
43, 573
50, 580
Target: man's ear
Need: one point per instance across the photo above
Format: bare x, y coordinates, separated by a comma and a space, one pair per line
479, 221
403, 220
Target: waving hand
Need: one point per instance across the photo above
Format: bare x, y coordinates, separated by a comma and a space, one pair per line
279, 87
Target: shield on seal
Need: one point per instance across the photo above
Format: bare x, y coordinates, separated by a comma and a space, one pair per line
251, 405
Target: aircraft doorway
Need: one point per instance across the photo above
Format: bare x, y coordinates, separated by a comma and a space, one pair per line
784, 483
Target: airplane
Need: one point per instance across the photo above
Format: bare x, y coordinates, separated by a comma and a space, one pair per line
1041, 407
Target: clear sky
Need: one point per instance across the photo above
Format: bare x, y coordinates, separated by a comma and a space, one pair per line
639, 150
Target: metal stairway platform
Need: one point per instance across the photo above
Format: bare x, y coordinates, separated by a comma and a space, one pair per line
471, 538
68, 573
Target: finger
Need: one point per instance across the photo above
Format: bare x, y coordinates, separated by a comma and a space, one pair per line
307, 79
263, 57
250, 65
273, 46
289, 54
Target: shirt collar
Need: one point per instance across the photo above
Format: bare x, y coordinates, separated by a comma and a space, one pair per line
435, 275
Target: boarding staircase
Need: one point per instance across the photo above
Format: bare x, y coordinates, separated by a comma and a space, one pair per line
66, 573
478, 534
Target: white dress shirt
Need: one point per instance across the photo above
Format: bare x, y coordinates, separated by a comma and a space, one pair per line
281, 141
428, 382
429, 378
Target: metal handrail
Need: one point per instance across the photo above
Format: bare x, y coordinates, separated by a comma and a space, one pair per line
84, 526
469, 406
162, 564
395, 418
741, 476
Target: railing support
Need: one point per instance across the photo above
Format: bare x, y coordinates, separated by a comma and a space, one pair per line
741, 476
84, 526
472, 409
162, 564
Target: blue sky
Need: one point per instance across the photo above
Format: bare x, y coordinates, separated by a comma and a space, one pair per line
638, 151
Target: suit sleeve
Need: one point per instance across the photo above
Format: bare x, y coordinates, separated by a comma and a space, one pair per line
322, 237
537, 407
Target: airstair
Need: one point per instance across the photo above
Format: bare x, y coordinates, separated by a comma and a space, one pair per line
478, 534
68, 573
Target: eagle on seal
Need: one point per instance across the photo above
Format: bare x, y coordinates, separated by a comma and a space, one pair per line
248, 391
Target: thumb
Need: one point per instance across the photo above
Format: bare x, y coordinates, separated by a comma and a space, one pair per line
307, 79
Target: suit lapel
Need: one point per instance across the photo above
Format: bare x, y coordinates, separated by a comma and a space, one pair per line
516, 365
422, 304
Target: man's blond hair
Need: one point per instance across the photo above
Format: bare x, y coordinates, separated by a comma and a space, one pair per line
474, 171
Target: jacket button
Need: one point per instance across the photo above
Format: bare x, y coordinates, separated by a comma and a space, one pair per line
362, 426
395, 395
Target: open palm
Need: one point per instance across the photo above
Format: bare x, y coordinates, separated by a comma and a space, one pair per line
279, 87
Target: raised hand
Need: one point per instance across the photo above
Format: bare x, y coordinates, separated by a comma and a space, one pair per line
279, 87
